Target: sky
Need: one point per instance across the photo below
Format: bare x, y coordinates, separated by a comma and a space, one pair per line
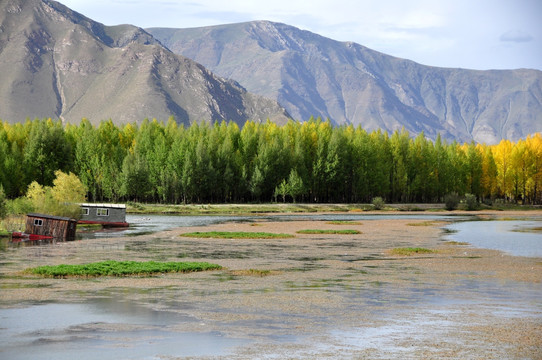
470, 34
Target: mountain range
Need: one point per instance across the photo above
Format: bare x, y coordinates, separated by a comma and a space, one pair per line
311, 75
58, 63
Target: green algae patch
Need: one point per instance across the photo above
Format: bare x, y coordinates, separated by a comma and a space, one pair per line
344, 222
120, 268
236, 235
410, 251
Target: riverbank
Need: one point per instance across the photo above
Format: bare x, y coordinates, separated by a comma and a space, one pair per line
274, 208
323, 296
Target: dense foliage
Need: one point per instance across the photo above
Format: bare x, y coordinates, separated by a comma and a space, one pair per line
308, 162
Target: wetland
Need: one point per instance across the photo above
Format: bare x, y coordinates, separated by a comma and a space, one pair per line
325, 294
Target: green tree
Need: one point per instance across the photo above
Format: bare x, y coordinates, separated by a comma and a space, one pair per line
175, 163
281, 190
474, 170
135, 178
46, 151
295, 186
110, 155
86, 157
3, 204
324, 164
399, 147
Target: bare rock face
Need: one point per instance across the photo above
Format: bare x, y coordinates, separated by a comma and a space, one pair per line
57, 63
350, 84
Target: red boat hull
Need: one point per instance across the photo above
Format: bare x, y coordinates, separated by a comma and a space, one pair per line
20, 235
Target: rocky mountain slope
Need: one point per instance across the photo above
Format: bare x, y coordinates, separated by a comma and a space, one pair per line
57, 63
311, 75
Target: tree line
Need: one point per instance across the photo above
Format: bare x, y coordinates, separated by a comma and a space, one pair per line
306, 162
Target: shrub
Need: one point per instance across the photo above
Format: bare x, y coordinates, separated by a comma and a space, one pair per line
471, 201
19, 206
378, 203
451, 201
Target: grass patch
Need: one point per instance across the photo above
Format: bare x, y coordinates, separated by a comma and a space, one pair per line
120, 268
236, 235
339, 232
409, 251
457, 243
344, 222
88, 227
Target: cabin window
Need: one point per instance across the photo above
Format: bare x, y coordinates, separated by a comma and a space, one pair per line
102, 212
84, 211
38, 222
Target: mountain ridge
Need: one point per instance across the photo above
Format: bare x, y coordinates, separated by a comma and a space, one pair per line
311, 75
58, 63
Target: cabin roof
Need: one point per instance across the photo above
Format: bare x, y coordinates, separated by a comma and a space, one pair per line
45, 216
116, 206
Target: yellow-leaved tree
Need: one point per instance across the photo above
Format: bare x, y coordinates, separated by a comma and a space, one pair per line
503, 159
62, 199
534, 144
68, 188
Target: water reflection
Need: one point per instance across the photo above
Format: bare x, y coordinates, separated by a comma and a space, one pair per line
102, 329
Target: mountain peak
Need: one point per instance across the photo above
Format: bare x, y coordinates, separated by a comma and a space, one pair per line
58, 63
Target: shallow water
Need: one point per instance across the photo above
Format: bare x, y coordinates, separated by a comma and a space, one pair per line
102, 329
515, 237
142, 224
145, 224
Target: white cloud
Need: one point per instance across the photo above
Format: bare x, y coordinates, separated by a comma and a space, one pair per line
516, 36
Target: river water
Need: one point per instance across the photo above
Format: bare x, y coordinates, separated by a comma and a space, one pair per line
515, 237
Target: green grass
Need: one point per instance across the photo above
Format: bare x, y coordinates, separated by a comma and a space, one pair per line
339, 232
88, 227
344, 222
236, 235
120, 268
409, 251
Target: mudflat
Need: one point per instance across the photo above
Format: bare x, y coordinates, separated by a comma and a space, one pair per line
315, 295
